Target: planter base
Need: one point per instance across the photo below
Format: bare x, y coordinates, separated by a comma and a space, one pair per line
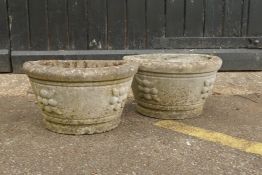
81, 129
169, 114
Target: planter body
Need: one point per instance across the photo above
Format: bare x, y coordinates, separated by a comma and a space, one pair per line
173, 86
80, 97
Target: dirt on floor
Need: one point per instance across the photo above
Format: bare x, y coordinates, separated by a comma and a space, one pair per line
137, 146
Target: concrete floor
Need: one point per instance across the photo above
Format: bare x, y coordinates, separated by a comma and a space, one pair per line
137, 146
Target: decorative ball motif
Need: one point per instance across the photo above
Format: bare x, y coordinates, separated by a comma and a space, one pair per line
147, 96
52, 102
118, 98
146, 89
46, 102
47, 109
154, 91
155, 97
147, 83
113, 100
44, 93
207, 89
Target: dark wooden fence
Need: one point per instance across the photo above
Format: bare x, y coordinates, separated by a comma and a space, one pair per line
52, 25
5, 64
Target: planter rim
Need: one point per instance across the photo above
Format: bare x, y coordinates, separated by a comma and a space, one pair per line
80, 70
176, 63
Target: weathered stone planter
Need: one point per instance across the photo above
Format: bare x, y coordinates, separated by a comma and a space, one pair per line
173, 86
80, 97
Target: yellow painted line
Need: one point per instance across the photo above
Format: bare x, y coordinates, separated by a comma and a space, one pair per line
216, 137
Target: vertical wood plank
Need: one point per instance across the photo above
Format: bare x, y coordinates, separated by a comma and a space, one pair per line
77, 16
116, 24
4, 33
174, 18
255, 22
245, 11
38, 24
214, 15
97, 24
19, 25
194, 19
136, 24
5, 62
155, 20
233, 17
57, 24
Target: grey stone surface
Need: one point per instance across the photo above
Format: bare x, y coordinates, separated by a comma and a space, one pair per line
80, 97
173, 86
136, 147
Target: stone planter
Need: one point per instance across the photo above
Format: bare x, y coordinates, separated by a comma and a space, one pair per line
80, 97
173, 86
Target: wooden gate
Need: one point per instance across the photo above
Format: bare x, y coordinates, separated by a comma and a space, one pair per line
83, 28
212, 24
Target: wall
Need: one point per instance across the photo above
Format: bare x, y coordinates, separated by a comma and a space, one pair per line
38, 27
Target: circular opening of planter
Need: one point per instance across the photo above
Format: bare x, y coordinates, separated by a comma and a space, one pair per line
80, 96
173, 86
